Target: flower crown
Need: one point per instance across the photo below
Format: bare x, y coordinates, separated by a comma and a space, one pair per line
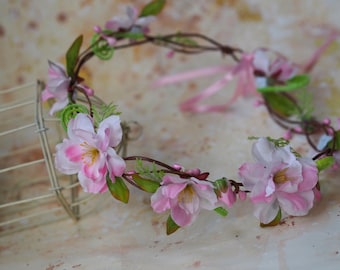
279, 182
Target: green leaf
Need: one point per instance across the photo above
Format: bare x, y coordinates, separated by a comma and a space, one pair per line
281, 104
171, 226
294, 83
147, 185
118, 189
72, 56
324, 163
153, 8
221, 211
274, 222
145, 171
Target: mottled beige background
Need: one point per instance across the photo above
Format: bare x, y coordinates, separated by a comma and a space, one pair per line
132, 236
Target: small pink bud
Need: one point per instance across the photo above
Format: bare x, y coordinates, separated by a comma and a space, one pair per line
287, 135
170, 54
97, 29
194, 172
242, 195
298, 129
177, 167
326, 121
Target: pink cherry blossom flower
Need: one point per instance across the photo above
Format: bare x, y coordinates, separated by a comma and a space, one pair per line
130, 22
184, 197
57, 87
90, 153
273, 66
279, 180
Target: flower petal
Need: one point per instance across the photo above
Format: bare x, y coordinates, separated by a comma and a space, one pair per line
115, 164
159, 203
111, 129
296, 204
91, 186
266, 212
66, 159
181, 217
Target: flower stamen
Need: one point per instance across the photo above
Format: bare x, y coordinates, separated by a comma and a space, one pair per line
186, 195
280, 177
90, 154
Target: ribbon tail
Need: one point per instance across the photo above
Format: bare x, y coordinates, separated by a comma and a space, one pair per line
317, 54
191, 105
184, 76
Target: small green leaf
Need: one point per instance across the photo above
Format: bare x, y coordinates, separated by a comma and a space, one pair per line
171, 226
294, 83
153, 8
324, 163
72, 55
221, 211
100, 47
280, 104
147, 185
274, 222
118, 189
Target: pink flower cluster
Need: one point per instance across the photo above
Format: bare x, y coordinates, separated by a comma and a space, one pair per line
279, 180
90, 153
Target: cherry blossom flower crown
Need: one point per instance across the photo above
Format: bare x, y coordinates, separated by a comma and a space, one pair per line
279, 182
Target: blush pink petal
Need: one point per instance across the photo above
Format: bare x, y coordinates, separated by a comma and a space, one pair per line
208, 198
182, 217
91, 186
172, 190
46, 94
251, 173
62, 161
309, 173
115, 164
111, 129
296, 204
58, 105
266, 212
159, 203
95, 170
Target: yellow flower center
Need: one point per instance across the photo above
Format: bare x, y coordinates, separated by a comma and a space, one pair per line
90, 154
280, 177
186, 195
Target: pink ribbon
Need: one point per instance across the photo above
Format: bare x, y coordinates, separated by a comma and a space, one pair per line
245, 84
